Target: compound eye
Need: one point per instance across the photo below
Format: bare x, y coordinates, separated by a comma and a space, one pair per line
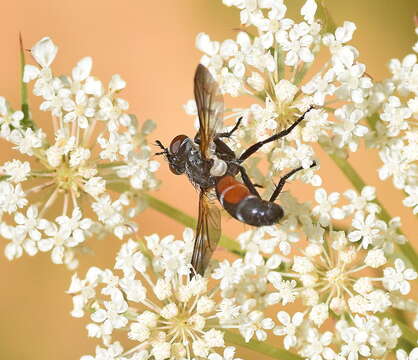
176, 143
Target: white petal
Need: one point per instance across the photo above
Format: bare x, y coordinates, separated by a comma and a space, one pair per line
117, 83
405, 287
283, 317
45, 244
44, 52
297, 319
308, 10
320, 196
30, 73
99, 315
306, 55
83, 68
12, 251
410, 274
337, 213
57, 255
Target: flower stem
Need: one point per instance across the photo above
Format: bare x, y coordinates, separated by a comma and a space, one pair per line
328, 24
406, 249
261, 347
24, 104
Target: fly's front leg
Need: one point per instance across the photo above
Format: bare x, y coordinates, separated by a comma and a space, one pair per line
248, 183
282, 181
253, 148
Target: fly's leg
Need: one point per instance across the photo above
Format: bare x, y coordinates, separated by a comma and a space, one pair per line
282, 181
253, 148
229, 133
221, 135
248, 183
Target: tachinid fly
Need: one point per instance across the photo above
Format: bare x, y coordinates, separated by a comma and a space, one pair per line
209, 164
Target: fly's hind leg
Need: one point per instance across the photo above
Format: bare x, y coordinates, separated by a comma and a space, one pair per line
282, 181
253, 148
248, 183
229, 133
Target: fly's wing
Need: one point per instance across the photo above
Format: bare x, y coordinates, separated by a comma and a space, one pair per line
210, 107
208, 232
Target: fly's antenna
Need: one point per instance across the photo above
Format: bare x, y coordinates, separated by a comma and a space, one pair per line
161, 146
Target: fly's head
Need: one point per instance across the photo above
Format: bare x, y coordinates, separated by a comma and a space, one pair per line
176, 153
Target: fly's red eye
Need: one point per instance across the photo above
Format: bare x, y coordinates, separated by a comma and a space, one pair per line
176, 142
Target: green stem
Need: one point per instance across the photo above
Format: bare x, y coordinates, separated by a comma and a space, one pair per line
322, 13
26, 121
110, 164
188, 221
406, 249
300, 74
261, 347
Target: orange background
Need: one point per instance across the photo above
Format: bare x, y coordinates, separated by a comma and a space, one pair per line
151, 45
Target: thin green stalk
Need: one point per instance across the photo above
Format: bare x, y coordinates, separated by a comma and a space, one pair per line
408, 334
24, 104
406, 249
300, 74
111, 164
261, 347
322, 13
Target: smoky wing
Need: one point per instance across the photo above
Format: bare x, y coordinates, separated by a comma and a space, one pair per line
210, 107
208, 232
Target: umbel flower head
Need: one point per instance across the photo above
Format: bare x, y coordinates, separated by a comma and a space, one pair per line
166, 314
149, 308
269, 62
95, 143
394, 122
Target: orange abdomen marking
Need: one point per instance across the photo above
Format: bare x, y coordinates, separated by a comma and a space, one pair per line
231, 190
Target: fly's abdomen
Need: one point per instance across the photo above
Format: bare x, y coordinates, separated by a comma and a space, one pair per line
244, 206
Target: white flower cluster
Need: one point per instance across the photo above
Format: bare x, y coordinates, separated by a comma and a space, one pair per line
395, 122
169, 316
333, 275
344, 277
269, 61
94, 144
165, 313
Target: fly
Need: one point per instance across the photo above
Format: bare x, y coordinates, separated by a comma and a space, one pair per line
210, 164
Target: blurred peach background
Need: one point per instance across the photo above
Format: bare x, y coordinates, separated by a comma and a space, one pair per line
151, 45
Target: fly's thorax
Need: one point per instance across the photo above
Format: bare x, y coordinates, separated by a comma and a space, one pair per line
198, 169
